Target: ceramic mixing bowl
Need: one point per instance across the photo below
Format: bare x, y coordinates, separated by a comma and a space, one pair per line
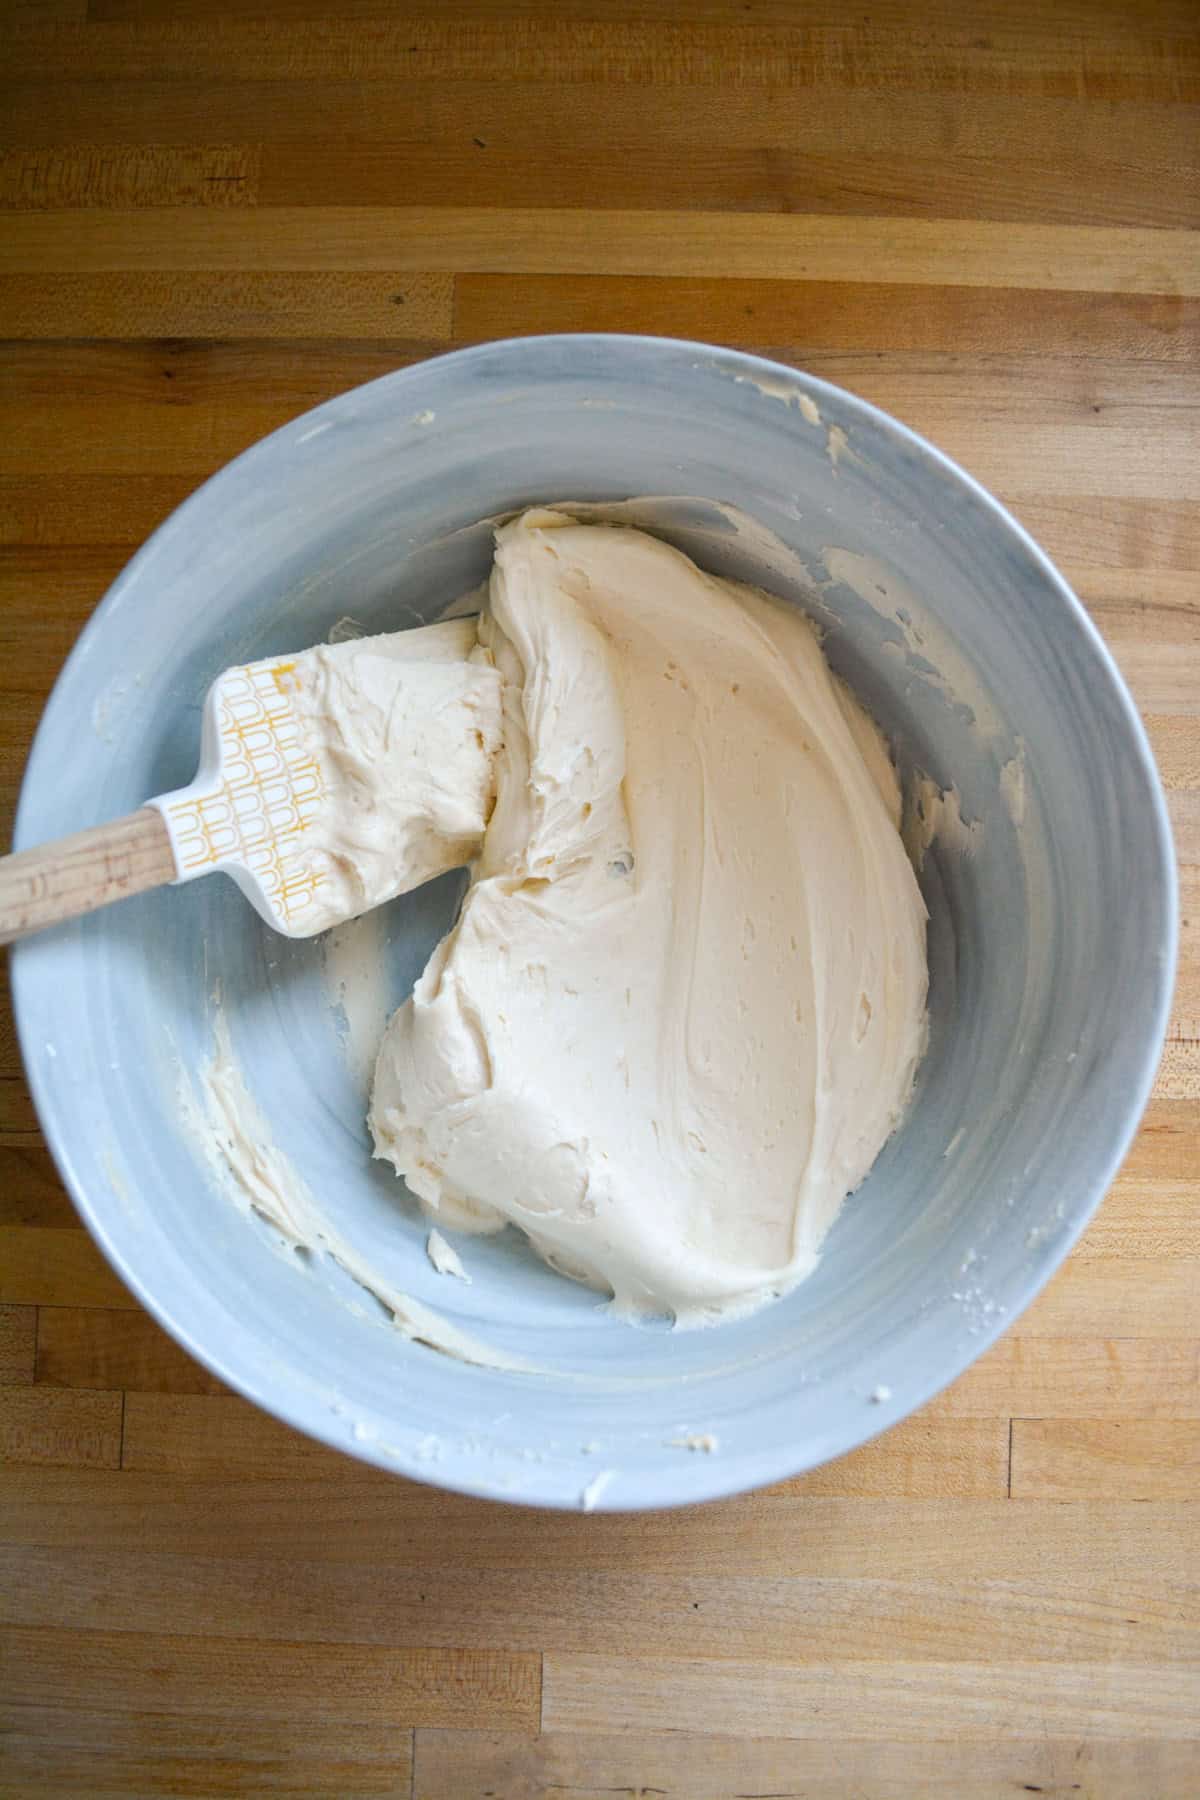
1051, 934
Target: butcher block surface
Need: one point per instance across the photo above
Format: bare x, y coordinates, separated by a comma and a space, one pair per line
983, 218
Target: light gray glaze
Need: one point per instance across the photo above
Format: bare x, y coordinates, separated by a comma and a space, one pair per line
1051, 948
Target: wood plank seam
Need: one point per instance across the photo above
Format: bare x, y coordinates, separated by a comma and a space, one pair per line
93, 1306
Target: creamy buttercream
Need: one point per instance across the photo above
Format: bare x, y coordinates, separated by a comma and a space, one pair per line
682, 1007
405, 728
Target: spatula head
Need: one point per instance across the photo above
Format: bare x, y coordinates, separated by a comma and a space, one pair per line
331, 780
257, 797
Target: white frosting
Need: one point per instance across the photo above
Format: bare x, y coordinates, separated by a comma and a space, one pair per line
682, 1007
445, 1257
406, 728
935, 812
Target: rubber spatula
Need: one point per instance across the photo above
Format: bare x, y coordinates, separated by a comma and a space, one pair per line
262, 806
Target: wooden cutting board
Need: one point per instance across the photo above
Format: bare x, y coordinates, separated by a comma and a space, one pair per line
983, 218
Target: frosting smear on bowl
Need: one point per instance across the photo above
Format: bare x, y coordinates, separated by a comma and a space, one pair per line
682, 1006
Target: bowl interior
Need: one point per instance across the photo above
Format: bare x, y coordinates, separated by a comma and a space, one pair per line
1051, 922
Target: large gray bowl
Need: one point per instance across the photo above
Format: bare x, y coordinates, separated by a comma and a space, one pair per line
1052, 932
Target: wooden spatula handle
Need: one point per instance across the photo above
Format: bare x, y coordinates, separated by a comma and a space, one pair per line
79, 874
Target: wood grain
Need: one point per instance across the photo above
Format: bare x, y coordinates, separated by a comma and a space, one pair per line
1123, 1297
1179, 1071
94, 1347
801, 1617
1079, 1378
779, 247
60, 1750
10, 1056
174, 107
365, 1520
259, 304
107, 175
86, 511
620, 45
814, 315
919, 1459
18, 1121
460, 1765
1121, 1459
18, 1344
1022, 18
126, 1671
56, 1266
56, 595
31, 1192
206, 1435
38, 1425
892, 1699
218, 213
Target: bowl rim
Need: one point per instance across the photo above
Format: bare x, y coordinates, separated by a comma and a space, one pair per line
700, 1479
